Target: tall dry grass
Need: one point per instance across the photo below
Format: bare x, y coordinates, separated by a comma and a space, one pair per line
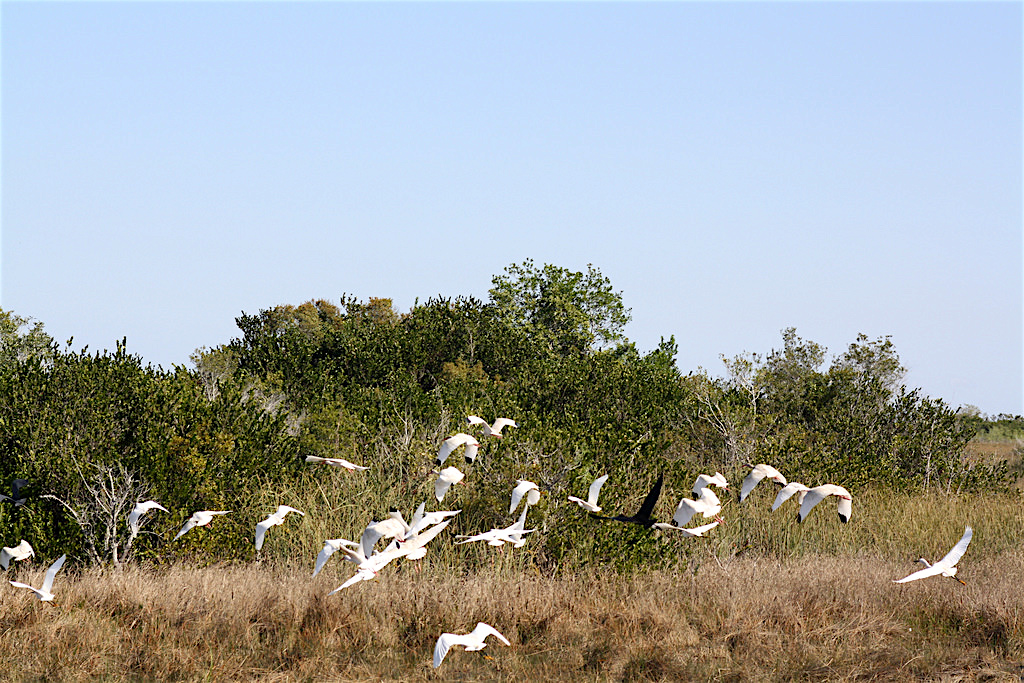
761, 598
812, 618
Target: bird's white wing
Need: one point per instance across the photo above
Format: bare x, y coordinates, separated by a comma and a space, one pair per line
773, 474
517, 495
261, 530
845, 509
52, 572
444, 643
483, 630
520, 523
392, 527
418, 515
954, 555
331, 546
283, 510
524, 488
424, 521
595, 489
586, 505
485, 536
749, 482
441, 487
685, 511
24, 549
354, 579
709, 497
380, 560
689, 533
934, 570
387, 528
133, 521
35, 590
501, 423
447, 478
786, 493
189, 525
321, 558
699, 530
5, 557
369, 539
516, 537
141, 509
702, 481
474, 420
811, 498
451, 443
446, 449
758, 473
354, 555
427, 536
341, 462
471, 451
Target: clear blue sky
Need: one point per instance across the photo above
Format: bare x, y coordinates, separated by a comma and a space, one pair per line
733, 168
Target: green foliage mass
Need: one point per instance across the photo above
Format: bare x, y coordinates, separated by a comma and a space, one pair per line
362, 381
1009, 428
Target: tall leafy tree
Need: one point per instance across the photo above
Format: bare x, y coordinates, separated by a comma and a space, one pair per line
570, 311
22, 338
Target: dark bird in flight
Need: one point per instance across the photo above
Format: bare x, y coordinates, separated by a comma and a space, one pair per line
16, 486
643, 516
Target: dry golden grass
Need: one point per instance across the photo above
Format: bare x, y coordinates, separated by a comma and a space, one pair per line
811, 618
760, 599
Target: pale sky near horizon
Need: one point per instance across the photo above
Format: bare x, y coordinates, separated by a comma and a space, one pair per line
734, 169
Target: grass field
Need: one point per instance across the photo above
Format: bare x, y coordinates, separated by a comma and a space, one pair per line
764, 599
815, 618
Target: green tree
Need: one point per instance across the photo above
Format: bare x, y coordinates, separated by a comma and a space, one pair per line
570, 311
873, 361
22, 338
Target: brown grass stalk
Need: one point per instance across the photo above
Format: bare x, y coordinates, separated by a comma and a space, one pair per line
810, 618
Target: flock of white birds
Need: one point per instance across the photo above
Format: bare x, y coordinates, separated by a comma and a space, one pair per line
408, 540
